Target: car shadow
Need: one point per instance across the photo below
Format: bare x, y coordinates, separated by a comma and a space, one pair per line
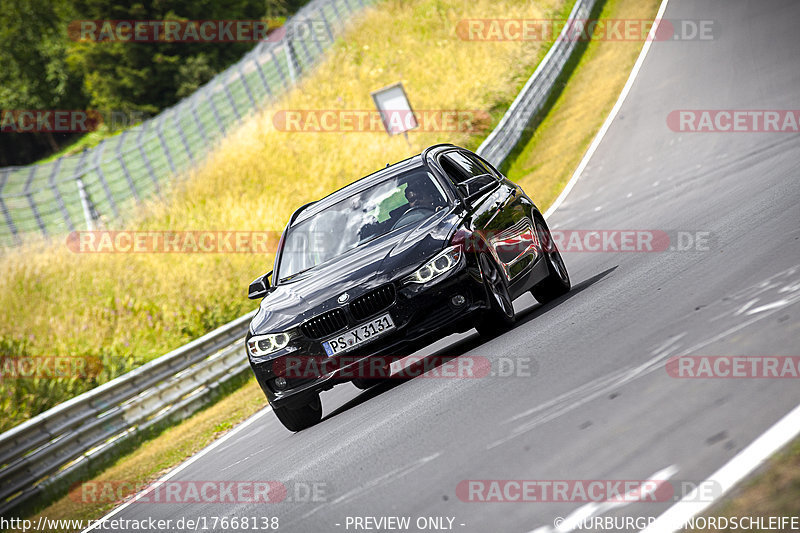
532, 312
424, 364
438, 358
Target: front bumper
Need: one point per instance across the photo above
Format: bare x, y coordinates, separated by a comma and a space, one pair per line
421, 314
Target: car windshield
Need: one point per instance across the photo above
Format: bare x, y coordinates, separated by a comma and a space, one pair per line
402, 200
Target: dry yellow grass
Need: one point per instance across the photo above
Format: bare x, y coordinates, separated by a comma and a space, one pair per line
605, 64
548, 160
128, 308
772, 493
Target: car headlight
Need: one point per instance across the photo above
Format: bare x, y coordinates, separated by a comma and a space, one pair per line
444, 261
263, 345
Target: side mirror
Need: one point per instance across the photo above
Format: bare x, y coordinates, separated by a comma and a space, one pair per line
474, 187
259, 287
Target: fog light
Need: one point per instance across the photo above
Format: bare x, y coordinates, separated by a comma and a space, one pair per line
458, 300
280, 383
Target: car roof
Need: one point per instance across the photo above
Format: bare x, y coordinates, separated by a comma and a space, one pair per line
437, 148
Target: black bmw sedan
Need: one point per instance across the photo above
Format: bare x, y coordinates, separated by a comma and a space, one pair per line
436, 244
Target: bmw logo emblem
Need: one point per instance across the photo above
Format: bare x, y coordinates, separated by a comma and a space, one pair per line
343, 298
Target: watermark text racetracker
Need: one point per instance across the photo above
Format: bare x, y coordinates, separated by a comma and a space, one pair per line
585, 490
546, 30
66, 120
199, 31
174, 31
734, 120
200, 492
405, 367
374, 121
167, 242
733, 367
269, 241
49, 367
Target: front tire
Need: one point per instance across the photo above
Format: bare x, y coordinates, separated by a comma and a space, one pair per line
500, 316
557, 282
300, 418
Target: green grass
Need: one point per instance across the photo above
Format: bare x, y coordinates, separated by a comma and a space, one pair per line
84, 142
157, 454
545, 161
126, 309
775, 491
198, 131
612, 61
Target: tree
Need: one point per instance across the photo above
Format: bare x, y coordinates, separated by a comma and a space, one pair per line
33, 50
153, 75
47, 67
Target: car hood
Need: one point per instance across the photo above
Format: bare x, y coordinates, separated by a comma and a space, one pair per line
356, 272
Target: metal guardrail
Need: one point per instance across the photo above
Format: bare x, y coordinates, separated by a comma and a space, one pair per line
49, 447
502, 140
36, 455
45, 198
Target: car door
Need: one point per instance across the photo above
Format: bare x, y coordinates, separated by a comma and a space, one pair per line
502, 213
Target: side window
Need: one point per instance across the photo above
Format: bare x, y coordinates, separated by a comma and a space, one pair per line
468, 166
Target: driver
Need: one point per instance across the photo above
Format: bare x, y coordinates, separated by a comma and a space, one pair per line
420, 198
420, 195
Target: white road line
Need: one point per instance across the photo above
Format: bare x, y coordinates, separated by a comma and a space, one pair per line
607, 124
744, 463
759, 450
180, 467
773, 305
781, 433
627, 375
578, 517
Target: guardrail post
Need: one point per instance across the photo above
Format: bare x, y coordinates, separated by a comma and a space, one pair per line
246, 87
327, 25
336, 16
9, 221
306, 52
264, 81
121, 160
160, 133
147, 164
182, 137
90, 214
290, 61
57, 194
29, 195
98, 154
278, 66
200, 127
227, 90
214, 109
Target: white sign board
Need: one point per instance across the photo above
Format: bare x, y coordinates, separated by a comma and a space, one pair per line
395, 110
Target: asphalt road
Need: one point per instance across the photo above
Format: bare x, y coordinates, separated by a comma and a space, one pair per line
598, 403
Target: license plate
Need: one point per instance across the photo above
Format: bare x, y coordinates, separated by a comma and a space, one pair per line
359, 335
